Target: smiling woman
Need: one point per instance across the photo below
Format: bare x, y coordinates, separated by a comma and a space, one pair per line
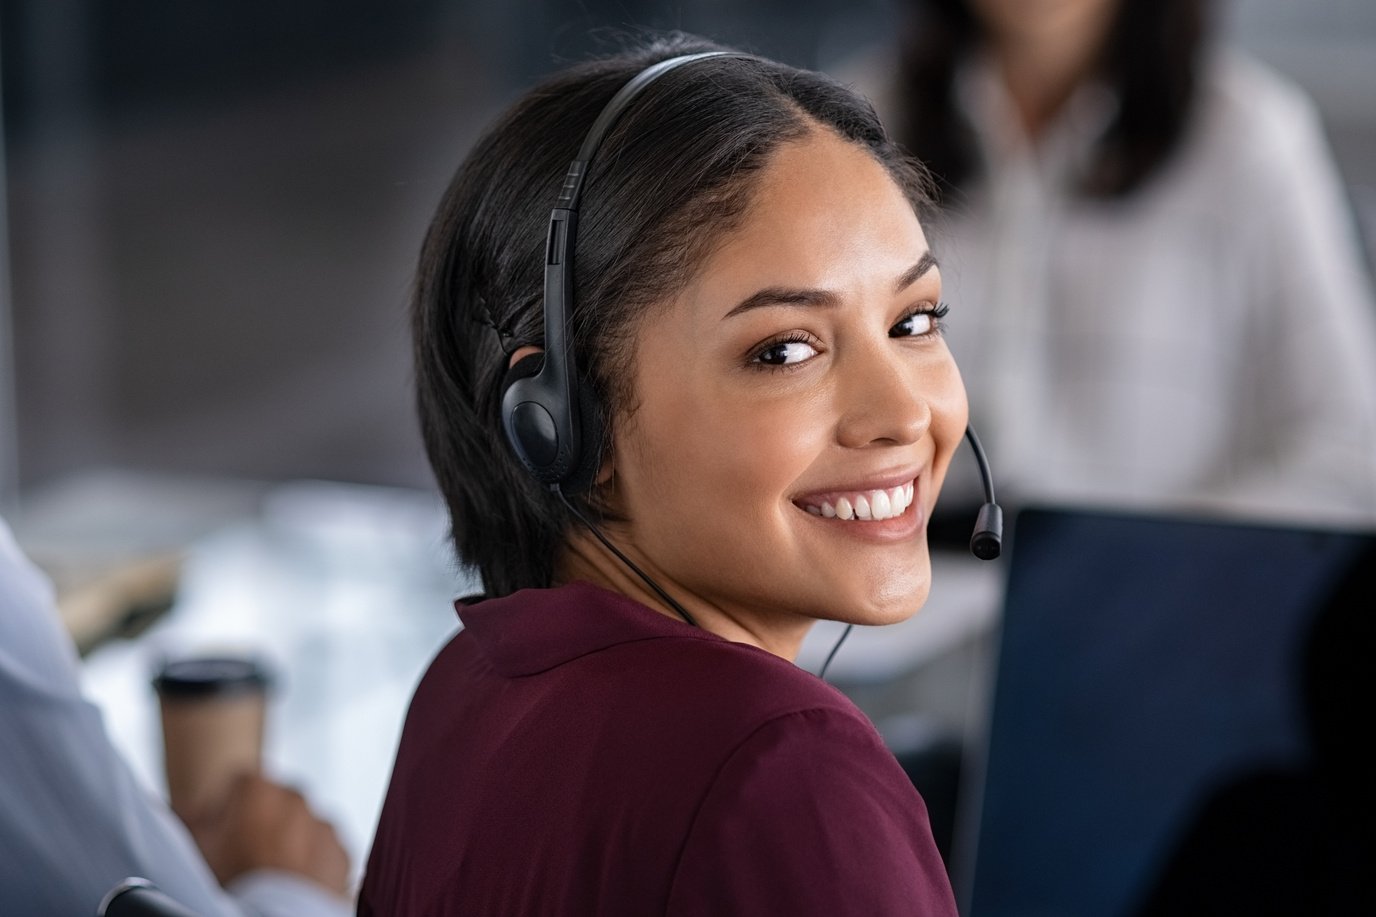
765, 417
831, 385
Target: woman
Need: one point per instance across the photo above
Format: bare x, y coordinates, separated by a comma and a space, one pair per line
619, 728
1163, 301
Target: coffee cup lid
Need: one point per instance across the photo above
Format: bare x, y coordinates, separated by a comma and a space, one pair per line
210, 676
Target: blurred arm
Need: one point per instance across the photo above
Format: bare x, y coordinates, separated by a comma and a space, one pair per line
73, 820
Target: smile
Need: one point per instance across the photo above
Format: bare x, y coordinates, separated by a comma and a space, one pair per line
861, 505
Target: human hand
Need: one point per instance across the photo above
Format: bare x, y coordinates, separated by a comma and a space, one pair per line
264, 825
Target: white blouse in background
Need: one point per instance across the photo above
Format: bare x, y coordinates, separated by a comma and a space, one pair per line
1207, 343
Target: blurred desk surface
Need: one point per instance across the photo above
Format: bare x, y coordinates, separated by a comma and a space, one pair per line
347, 592
113, 540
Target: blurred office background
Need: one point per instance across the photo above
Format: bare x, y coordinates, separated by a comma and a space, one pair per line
213, 209
210, 216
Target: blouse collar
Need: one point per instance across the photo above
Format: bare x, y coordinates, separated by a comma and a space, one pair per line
1066, 146
534, 630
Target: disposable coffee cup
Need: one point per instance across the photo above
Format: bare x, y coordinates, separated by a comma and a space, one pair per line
213, 711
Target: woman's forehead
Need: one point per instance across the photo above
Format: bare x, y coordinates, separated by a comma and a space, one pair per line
824, 214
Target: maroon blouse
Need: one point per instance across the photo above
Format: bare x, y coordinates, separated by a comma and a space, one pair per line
573, 752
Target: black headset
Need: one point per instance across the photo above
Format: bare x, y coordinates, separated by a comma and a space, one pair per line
553, 420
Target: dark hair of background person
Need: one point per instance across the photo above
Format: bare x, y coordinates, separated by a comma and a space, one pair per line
1151, 60
671, 179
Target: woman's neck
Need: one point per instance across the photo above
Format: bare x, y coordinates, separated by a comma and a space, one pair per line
1041, 70
587, 559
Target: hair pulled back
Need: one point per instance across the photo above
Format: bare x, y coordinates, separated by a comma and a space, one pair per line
673, 176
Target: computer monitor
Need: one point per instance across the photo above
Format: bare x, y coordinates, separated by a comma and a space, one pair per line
1149, 686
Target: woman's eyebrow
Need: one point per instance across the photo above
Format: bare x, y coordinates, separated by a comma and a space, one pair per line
915, 273
783, 296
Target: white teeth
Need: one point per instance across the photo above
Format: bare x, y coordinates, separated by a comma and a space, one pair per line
898, 500
875, 504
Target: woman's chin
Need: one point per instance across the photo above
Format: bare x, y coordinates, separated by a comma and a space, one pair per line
891, 606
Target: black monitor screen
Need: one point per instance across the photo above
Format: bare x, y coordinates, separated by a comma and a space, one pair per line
1158, 683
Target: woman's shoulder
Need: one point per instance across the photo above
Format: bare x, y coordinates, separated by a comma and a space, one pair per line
1251, 113
809, 813
1254, 137
740, 682
616, 654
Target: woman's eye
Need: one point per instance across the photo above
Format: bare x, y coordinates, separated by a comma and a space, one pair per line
920, 323
785, 353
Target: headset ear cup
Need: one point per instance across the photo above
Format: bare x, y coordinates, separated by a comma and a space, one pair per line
584, 472
517, 389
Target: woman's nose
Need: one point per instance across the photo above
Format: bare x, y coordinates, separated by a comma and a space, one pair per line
881, 400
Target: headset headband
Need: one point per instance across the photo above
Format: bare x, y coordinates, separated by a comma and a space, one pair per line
545, 410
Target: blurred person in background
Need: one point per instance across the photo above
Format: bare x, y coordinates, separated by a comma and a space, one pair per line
74, 821
1162, 300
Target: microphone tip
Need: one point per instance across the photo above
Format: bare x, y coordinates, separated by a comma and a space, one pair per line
985, 545
987, 541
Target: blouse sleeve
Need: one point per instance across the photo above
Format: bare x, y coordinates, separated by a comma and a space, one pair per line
1313, 328
811, 815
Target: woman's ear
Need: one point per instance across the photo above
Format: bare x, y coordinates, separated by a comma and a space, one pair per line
520, 353
602, 496
606, 471
524, 363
